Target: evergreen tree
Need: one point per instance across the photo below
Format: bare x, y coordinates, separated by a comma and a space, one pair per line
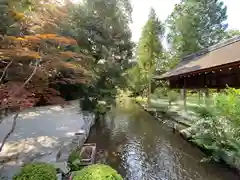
196, 24
148, 54
102, 30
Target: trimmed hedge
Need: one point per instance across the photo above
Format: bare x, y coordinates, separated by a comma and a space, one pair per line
37, 171
97, 172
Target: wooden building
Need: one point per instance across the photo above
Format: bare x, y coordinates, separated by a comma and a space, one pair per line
215, 67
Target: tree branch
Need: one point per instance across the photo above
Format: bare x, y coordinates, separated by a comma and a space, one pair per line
14, 93
16, 115
10, 132
29, 78
24, 84
5, 70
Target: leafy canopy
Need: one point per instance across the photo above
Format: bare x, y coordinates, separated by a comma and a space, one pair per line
196, 24
101, 29
149, 52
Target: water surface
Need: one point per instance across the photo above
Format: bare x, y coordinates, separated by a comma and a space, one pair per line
141, 148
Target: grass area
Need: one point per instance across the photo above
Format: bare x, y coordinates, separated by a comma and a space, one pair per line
141, 100
176, 110
191, 102
214, 123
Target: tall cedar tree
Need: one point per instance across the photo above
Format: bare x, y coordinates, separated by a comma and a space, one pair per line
196, 24
148, 54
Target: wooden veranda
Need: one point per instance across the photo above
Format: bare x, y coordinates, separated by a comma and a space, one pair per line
215, 67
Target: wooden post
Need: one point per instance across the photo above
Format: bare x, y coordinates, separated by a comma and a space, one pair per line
184, 97
206, 89
184, 94
206, 96
199, 96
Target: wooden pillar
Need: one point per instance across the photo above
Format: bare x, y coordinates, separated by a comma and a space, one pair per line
206, 92
199, 96
206, 96
184, 97
184, 94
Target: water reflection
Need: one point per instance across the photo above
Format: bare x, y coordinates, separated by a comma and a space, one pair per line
140, 148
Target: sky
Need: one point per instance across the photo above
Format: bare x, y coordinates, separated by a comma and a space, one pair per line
163, 9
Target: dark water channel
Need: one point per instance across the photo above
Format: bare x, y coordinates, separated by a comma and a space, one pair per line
141, 148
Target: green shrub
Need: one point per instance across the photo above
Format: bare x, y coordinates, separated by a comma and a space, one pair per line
37, 171
88, 104
74, 161
219, 126
97, 172
204, 111
161, 92
101, 107
172, 96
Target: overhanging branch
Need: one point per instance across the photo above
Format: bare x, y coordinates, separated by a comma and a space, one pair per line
10, 132
5, 70
16, 115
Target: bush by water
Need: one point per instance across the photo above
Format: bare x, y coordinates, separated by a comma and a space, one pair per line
218, 128
37, 171
97, 172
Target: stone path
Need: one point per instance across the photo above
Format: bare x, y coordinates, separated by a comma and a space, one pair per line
42, 134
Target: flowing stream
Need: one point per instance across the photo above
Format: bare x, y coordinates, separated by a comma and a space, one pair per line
140, 147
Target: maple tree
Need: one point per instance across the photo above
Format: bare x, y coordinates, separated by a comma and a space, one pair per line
23, 17
50, 53
33, 66
56, 65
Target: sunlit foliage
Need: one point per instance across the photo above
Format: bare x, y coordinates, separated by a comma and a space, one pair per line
218, 128
56, 65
